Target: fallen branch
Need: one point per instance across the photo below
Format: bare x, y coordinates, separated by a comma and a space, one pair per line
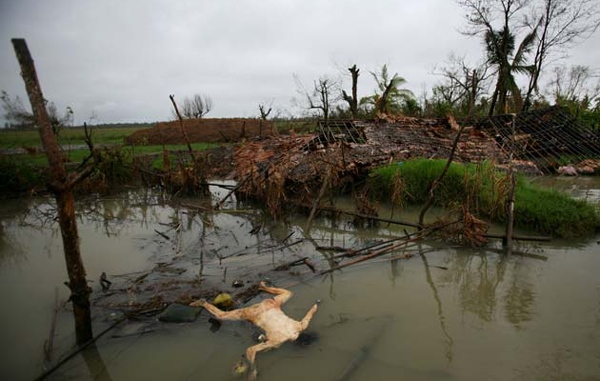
520, 237
78, 350
331, 248
417, 234
231, 192
370, 256
333, 209
163, 235
49, 344
297, 262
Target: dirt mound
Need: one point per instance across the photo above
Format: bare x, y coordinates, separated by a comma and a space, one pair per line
201, 130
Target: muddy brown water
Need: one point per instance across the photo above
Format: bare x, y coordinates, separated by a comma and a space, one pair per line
450, 314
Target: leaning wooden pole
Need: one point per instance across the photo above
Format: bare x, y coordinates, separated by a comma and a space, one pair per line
61, 186
459, 130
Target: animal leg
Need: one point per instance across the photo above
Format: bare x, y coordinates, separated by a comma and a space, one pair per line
282, 295
253, 350
218, 313
307, 318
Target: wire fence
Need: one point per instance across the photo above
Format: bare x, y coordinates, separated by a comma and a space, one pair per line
549, 137
541, 141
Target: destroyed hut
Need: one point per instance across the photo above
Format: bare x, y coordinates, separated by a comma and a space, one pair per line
297, 168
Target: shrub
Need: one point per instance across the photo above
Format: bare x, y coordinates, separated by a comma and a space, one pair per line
483, 189
18, 177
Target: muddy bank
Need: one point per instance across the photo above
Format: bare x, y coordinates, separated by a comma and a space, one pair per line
204, 130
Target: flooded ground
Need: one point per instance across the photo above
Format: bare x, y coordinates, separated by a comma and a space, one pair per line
444, 314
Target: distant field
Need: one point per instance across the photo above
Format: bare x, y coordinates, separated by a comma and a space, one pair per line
101, 135
112, 134
77, 155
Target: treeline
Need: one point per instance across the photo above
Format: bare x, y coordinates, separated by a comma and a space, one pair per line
520, 40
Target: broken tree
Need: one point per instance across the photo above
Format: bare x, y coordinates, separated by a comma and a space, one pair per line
61, 185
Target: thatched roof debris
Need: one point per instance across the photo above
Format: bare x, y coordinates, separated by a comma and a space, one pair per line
275, 170
202, 130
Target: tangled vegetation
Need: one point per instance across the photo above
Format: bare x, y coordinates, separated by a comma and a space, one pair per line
482, 189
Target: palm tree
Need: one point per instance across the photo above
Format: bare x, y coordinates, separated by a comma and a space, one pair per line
500, 46
388, 97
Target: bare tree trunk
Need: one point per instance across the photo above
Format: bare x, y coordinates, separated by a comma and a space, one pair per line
353, 101
473, 95
61, 186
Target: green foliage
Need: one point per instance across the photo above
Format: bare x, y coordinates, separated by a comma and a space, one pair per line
476, 182
500, 49
583, 108
118, 165
389, 98
483, 189
551, 212
17, 177
114, 165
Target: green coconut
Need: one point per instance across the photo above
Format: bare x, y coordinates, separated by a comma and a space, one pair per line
224, 301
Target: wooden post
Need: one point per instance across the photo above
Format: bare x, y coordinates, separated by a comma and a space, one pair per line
507, 242
199, 176
61, 186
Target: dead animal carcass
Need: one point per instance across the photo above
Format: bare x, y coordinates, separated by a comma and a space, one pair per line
267, 315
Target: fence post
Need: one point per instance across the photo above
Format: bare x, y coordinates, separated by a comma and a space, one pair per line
507, 242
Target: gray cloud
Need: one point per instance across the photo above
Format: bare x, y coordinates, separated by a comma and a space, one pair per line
121, 59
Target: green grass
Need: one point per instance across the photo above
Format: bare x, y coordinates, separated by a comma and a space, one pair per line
70, 135
77, 155
484, 189
551, 212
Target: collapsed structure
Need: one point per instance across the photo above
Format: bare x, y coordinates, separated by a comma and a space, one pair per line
281, 168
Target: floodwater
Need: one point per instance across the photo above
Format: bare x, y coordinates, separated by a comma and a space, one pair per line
444, 314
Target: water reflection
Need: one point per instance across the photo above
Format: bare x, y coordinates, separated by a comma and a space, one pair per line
10, 252
448, 341
519, 297
95, 363
483, 289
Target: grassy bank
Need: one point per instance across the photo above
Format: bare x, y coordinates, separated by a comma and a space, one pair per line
77, 155
22, 174
483, 190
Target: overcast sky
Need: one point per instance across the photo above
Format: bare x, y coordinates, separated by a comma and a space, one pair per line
120, 59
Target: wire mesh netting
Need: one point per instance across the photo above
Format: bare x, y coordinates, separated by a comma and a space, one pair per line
549, 137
